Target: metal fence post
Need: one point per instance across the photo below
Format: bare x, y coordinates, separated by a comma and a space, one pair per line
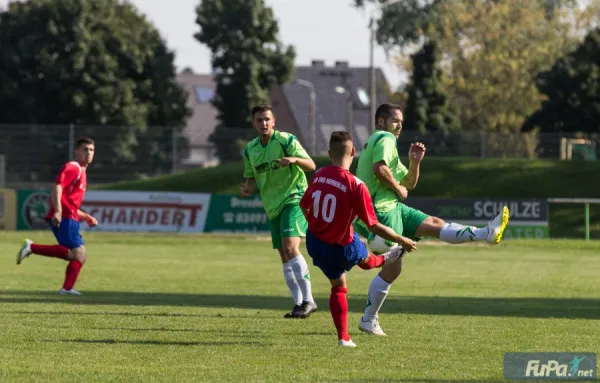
2, 171
175, 136
587, 221
71, 140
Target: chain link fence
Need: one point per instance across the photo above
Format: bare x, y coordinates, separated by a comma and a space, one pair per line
30, 155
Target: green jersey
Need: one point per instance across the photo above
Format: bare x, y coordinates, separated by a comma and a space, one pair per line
381, 146
278, 186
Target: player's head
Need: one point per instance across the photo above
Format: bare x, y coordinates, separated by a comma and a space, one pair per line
84, 151
263, 120
341, 146
389, 117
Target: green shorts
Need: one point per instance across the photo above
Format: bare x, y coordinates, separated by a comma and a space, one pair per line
402, 219
290, 223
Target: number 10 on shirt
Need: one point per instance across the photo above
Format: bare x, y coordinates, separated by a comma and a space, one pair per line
327, 209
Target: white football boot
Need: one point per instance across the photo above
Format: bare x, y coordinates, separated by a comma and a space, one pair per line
371, 326
346, 343
69, 292
25, 251
497, 225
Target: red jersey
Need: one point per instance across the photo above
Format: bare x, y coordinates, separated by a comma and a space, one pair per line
333, 199
73, 180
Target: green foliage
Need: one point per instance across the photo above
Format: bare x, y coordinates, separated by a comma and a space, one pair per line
491, 51
248, 61
97, 63
572, 90
492, 61
404, 23
428, 108
409, 21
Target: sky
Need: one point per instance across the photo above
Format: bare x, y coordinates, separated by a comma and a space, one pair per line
329, 30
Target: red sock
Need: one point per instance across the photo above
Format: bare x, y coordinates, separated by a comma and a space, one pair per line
371, 262
73, 269
55, 251
338, 305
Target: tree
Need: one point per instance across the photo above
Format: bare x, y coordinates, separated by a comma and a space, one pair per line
407, 22
428, 108
98, 64
572, 90
492, 52
248, 60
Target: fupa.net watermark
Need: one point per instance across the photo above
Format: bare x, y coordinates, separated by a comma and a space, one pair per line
550, 365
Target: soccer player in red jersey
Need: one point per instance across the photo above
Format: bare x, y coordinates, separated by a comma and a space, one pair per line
333, 199
64, 216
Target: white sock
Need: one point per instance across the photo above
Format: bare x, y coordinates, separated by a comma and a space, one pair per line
298, 264
378, 290
290, 280
456, 233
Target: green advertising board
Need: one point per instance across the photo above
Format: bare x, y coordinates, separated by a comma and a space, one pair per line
232, 214
32, 206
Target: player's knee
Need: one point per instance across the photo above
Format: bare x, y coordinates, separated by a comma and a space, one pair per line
390, 272
289, 251
79, 254
436, 222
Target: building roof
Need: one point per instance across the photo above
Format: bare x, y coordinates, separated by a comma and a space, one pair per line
332, 107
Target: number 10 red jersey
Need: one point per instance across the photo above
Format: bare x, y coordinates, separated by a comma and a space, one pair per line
333, 199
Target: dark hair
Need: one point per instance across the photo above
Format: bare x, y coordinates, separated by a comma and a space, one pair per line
385, 111
261, 109
337, 143
84, 141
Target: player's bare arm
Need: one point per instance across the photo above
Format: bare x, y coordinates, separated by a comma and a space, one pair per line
306, 164
389, 234
56, 196
385, 176
416, 154
248, 187
91, 221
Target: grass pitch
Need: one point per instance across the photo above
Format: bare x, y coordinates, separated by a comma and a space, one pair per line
209, 308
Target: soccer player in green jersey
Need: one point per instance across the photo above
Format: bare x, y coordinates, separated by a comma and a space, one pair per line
274, 164
388, 181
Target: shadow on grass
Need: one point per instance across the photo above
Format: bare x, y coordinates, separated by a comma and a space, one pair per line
571, 308
155, 342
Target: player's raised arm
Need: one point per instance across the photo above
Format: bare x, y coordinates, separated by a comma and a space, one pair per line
298, 155
415, 154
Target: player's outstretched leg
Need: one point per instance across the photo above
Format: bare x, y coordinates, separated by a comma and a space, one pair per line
24, 251
53, 251
374, 261
455, 233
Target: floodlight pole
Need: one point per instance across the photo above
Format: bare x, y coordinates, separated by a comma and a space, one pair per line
372, 78
312, 141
